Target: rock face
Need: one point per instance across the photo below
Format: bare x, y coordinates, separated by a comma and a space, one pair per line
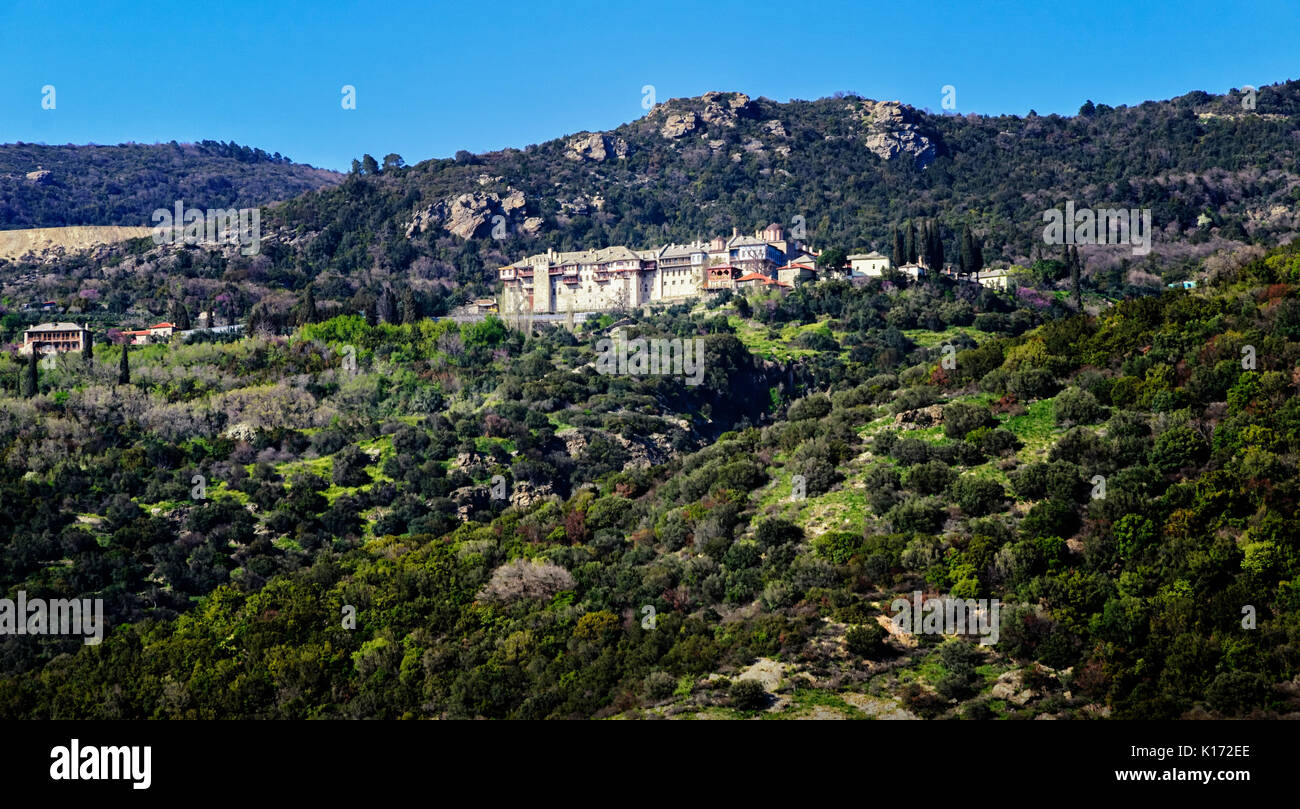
525, 495
470, 215
40, 177
724, 108
890, 131
595, 147
715, 109
678, 124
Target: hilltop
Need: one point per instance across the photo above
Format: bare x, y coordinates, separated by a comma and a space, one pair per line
58, 186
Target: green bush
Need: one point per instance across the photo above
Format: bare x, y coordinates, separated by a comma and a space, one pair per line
747, 695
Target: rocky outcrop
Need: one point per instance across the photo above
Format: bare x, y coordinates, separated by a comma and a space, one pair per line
595, 147
723, 109
40, 177
678, 124
890, 131
713, 109
645, 451
525, 495
470, 215
921, 417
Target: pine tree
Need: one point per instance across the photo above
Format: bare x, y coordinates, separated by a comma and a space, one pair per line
124, 369
900, 250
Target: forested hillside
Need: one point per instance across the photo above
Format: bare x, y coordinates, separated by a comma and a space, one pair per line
1212, 173
332, 489
57, 186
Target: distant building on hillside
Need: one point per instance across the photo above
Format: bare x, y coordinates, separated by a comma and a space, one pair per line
993, 279
872, 264
619, 277
55, 337
162, 331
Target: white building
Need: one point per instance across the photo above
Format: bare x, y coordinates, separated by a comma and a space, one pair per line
872, 264
993, 279
619, 277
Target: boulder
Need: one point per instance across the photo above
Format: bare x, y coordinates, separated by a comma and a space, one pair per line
679, 124
595, 147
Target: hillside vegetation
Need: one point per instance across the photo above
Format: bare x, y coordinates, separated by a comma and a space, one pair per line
334, 490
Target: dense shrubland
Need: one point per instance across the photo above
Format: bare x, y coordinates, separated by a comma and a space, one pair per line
327, 488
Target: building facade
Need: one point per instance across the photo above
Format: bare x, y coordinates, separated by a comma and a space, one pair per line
622, 278
872, 265
55, 337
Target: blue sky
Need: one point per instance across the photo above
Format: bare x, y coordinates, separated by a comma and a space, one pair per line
432, 77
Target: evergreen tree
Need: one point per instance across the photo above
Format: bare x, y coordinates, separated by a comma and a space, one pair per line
900, 250
369, 165
410, 306
967, 261
1076, 269
933, 247
387, 306
124, 369
88, 353
912, 253
976, 262
180, 316
372, 312
938, 247
31, 381
307, 313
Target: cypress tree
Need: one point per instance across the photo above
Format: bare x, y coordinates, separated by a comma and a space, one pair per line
912, 254
30, 386
308, 313
410, 306
967, 262
124, 369
933, 247
900, 250
88, 353
1076, 269
387, 306
180, 316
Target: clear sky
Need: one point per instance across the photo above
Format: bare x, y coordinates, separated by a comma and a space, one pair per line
434, 77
